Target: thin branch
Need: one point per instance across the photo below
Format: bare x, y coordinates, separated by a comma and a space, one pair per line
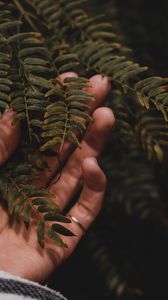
25, 15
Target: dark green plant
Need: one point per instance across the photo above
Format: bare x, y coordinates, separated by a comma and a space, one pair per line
40, 39
49, 112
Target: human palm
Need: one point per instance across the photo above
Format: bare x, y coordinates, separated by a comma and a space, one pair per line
20, 253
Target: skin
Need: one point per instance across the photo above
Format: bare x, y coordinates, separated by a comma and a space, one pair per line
19, 248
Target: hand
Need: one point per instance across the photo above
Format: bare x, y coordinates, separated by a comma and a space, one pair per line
20, 253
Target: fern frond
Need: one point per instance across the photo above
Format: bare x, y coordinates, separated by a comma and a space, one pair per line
152, 131
154, 90
22, 71
28, 97
124, 132
52, 112
96, 52
23, 199
51, 13
64, 118
5, 68
137, 127
107, 270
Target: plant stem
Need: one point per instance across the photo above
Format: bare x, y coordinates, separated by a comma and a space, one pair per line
65, 129
25, 15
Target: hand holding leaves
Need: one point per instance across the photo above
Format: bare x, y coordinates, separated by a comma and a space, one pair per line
21, 253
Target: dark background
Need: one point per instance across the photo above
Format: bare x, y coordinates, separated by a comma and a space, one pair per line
144, 28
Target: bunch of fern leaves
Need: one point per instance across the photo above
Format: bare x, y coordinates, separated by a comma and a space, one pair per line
40, 39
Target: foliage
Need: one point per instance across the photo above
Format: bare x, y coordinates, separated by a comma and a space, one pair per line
50, 112
40, 39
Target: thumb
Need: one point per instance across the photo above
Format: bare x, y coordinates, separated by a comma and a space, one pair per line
9, 135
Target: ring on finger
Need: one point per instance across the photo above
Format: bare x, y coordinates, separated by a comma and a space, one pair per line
75, 220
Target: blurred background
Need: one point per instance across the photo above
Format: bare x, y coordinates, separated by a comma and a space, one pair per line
125, 253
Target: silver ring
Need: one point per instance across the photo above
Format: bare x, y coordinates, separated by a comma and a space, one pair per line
75, 220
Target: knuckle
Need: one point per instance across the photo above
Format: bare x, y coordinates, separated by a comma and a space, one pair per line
85, 210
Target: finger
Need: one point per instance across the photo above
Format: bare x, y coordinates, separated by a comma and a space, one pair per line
89, 203
92, 145
9, 136
63, 76
99, 88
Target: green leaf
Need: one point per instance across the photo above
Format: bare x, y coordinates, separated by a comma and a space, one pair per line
62, 230
54, 118
36, 123
22, 169
34, 108
11, 199
36, 69
3, 73
80, 97
6, 81
3, 105
22, 178
19, 108
80, 106
68, 67
31, 51
4, 88
39, 201
65, 57
47, 208
78, 92
4, 67
76, 80
69, 6
72, 137
52, 133
57, 124
19, 207
36, 61
21, 36
39, 81
17, 102
19, 117
4, 97
27, 213
56, 239
9, 25
101, 27
31, 41
77, 86
32, 101
36, 192
146, 82
4, 57
133, 73
55, 92
56, 218
80, 114
55, 110
51, 144
41, 233
103, 35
